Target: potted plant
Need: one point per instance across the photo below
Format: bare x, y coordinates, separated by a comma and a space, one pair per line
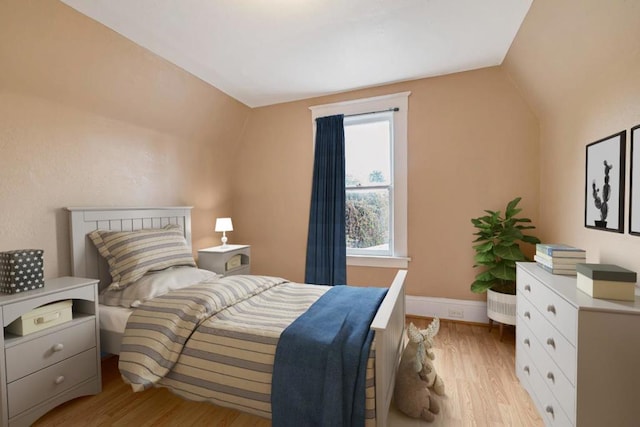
497, 250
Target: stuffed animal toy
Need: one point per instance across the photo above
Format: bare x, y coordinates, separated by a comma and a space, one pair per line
411, 393
428, 372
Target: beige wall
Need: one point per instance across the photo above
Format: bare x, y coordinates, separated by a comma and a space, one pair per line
473, 145
578, 62
88, 118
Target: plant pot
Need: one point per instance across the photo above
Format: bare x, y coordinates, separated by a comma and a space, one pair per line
601, 224
501, 307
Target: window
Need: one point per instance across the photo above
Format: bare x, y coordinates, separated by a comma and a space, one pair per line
376, 178
369, 184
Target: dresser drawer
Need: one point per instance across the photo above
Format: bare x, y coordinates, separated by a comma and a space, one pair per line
550, 409
552, 375
32, 355
524, 369
42, 385
555, 309
560, 350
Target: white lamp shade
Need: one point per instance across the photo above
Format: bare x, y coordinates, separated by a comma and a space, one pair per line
224, 224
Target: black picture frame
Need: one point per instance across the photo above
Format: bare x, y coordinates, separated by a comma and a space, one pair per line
634, 176
604, 185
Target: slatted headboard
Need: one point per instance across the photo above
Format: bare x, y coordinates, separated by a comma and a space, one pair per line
85, 259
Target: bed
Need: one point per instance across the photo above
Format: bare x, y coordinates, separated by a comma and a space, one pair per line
388, 323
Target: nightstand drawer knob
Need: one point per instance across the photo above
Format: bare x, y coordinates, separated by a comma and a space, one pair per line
551, 377
527, 342
527, 288
526, 369
551, 342
527, 315
59, 380
551, 309
58, 347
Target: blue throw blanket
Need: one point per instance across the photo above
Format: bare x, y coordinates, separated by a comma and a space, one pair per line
321, 361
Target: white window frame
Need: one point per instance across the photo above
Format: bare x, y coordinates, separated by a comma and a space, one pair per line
399, 259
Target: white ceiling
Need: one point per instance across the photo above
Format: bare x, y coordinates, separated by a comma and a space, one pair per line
267, 52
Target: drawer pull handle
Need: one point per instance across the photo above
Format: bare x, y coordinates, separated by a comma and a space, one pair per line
59, 380
527, 288
551, 342
551, 377
526, 369
46, 319
527, 315
526, 341
549, 410
58, 347
551, 309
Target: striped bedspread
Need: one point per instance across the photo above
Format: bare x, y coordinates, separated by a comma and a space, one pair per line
216, 342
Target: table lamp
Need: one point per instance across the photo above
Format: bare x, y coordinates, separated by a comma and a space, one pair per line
224, 225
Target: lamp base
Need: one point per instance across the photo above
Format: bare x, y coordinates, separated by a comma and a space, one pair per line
224, 239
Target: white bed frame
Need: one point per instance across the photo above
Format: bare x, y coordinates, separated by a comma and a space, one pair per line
388, 323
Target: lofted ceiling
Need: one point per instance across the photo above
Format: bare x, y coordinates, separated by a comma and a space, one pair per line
268, 52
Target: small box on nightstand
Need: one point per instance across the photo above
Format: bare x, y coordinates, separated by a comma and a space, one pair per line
43, 317
21, 270
226, 260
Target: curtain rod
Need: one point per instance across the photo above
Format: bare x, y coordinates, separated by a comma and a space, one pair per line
373, 112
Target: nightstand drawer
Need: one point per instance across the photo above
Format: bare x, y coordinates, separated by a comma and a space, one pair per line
32, 355
42, 385
240, 270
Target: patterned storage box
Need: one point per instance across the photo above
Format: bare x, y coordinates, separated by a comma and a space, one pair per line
21, 270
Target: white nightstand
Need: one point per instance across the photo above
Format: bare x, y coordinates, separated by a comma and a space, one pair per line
44, 369
226, 260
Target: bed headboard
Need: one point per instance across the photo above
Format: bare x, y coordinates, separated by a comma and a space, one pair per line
85, 259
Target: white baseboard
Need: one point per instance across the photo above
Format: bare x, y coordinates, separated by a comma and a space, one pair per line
446, 308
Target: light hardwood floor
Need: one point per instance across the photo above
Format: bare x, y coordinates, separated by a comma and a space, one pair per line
477, 369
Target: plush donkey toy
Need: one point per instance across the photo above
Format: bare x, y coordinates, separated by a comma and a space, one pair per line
411, 394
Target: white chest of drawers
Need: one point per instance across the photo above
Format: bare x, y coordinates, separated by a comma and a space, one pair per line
41, 370
577, 357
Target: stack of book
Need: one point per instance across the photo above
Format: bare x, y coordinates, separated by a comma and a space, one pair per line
559, 258
607, 281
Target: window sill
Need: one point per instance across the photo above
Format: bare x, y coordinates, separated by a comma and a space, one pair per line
378, 261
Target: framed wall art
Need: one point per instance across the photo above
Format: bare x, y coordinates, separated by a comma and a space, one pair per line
604, 183
634, 192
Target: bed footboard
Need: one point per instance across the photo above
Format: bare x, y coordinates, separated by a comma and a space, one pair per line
389, 326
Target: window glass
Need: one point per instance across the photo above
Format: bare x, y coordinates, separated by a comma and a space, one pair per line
367, 153
369, 178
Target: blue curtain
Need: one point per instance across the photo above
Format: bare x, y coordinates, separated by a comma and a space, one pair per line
326, 242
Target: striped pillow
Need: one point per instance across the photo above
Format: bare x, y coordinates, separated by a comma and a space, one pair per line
131, 254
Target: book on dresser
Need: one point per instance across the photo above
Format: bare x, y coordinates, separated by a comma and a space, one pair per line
569, 270
557, 261
560, 250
